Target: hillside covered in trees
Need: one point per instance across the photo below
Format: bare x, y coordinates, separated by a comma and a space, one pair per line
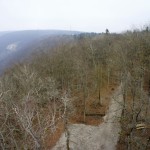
70, 83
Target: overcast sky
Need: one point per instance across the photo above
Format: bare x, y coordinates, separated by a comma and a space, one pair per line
81, 15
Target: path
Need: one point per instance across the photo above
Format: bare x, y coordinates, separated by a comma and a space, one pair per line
102, 137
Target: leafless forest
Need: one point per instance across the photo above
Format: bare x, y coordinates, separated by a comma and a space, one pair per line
42, 96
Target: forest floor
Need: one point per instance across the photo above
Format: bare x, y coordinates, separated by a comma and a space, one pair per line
101, 137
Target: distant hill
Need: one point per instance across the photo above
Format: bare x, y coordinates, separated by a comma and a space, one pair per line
3, 32
18, 44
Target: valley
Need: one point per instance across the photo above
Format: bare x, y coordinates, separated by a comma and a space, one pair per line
82, 91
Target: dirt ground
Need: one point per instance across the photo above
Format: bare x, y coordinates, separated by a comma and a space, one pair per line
102, 137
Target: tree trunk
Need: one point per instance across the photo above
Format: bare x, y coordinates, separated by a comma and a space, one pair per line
99, 85
108, 77
84, 98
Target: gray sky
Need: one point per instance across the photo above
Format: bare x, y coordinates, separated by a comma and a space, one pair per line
81, 15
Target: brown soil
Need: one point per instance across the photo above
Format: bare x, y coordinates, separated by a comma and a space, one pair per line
77, 118
88, 137
92, 107
51, 141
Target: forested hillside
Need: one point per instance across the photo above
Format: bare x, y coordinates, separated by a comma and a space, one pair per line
41, 96
19, 45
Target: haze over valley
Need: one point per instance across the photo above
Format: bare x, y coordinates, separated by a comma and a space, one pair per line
74, 75
16, 45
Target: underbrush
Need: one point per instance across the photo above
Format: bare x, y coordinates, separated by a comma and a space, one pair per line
37, 95
72, 83
135, 121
